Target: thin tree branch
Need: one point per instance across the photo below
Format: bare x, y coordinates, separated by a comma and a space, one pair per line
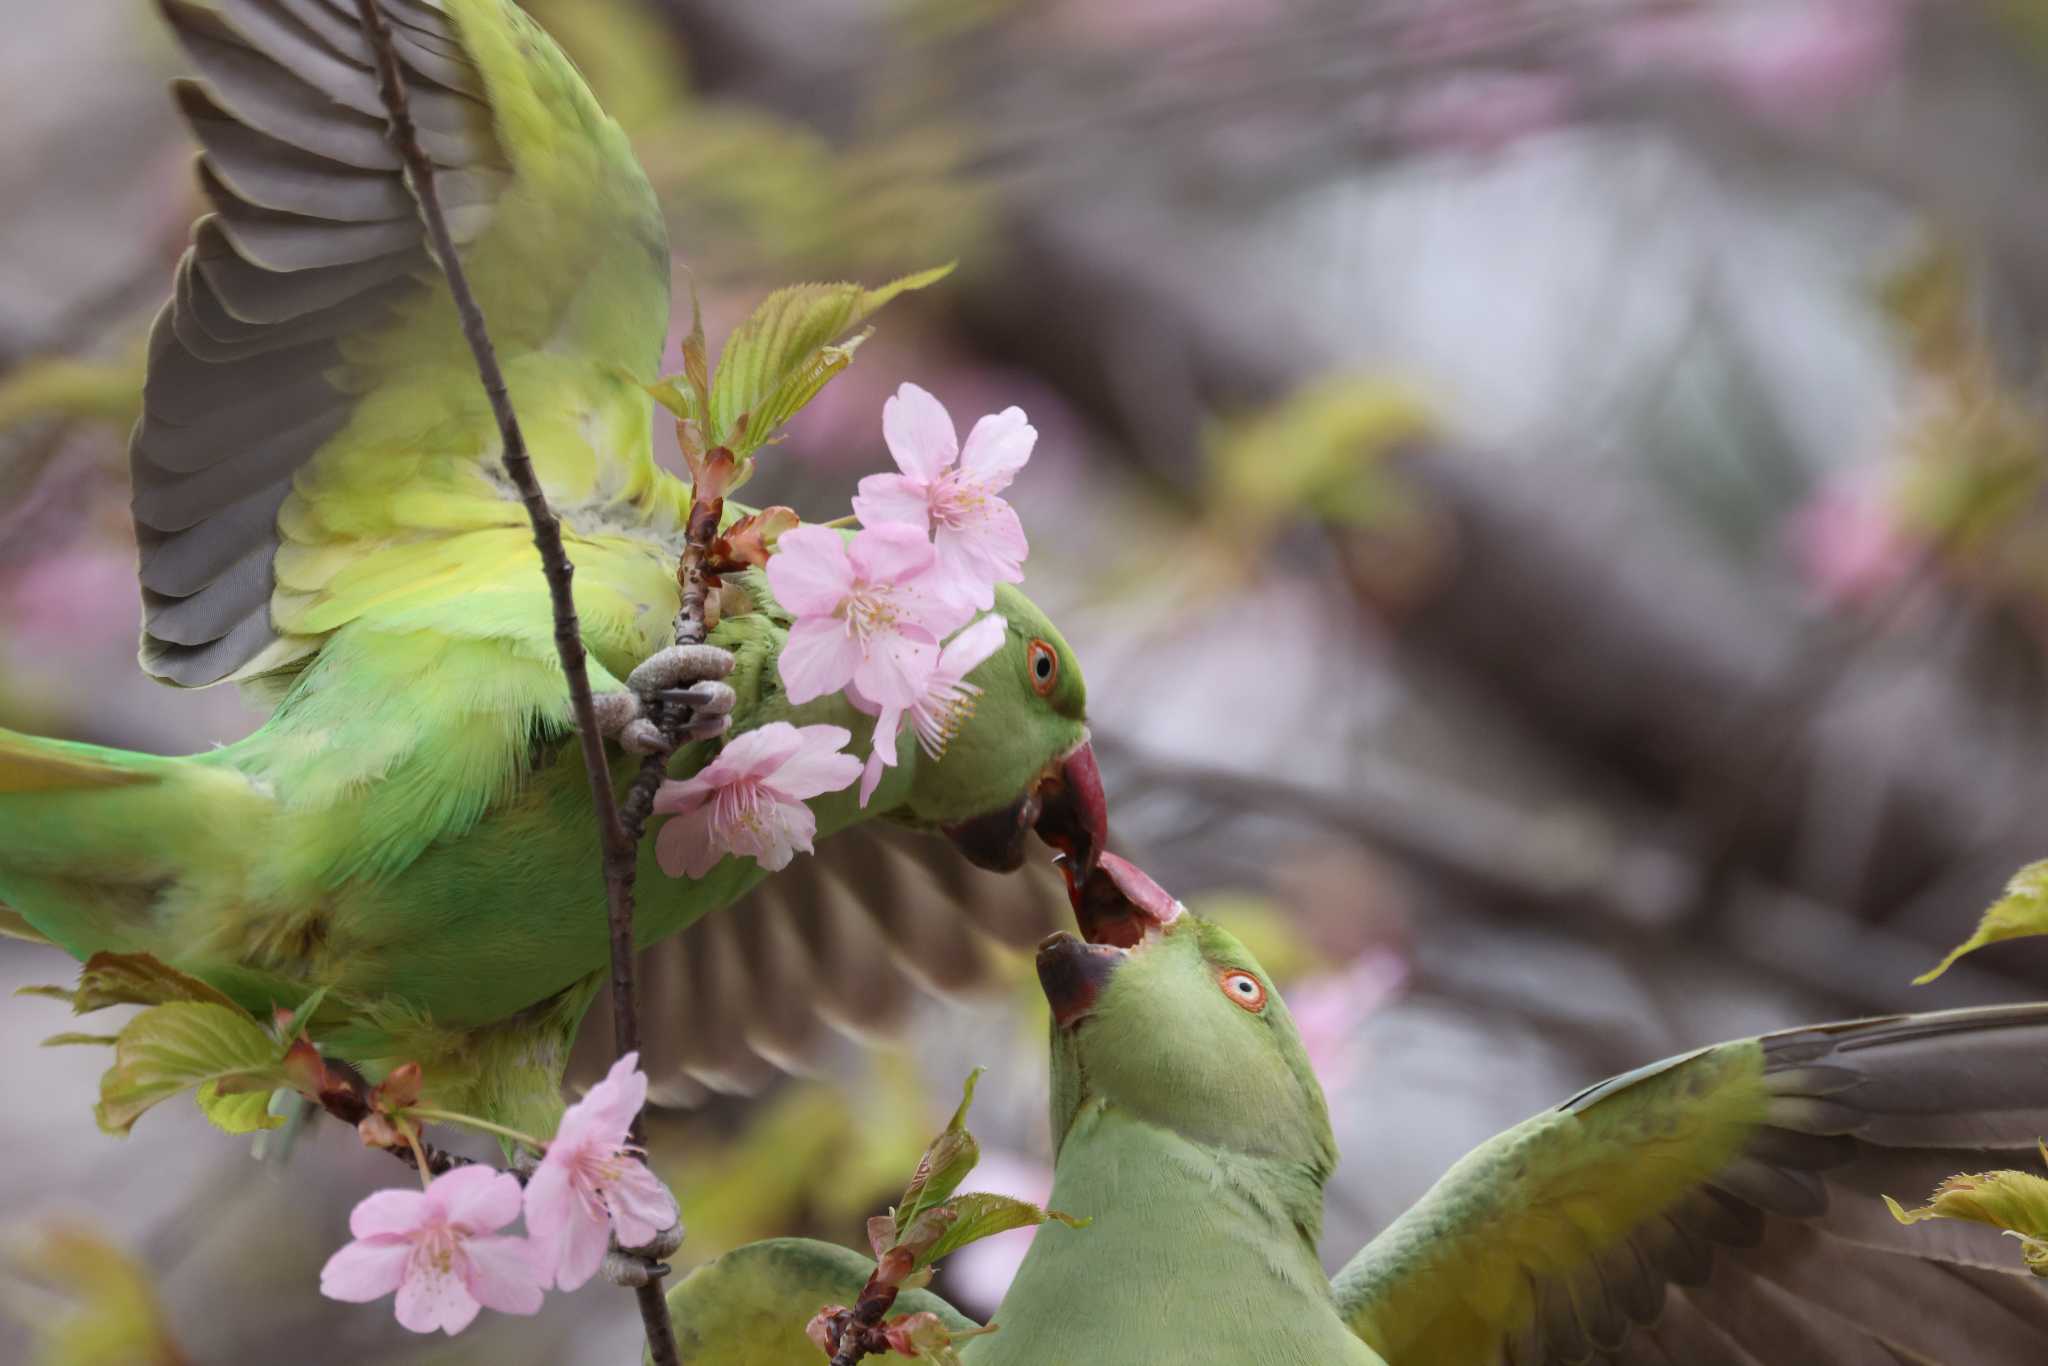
619, 851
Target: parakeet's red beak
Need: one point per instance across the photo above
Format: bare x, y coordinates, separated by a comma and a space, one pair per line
1118, 904
1065, 806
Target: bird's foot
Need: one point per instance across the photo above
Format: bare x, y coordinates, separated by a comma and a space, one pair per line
634, 1267
679, 676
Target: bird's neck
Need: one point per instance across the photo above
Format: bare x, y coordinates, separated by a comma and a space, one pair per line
1193, 1254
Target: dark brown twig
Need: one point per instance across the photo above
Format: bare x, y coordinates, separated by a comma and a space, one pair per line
618, 847
861, 1331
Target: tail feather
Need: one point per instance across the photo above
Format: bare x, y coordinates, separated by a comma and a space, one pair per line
29, 764
96, 844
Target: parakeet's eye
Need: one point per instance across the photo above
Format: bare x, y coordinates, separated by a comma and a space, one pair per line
1044, 664
1245, 989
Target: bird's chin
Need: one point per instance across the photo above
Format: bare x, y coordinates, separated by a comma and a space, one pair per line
1064, 805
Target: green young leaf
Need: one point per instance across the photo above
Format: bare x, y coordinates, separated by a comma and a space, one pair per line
2014, 1201
945, 1164
238, 1105
65, 1040
776, 360
185, 1045
981, 1215
137, 979
2021, 912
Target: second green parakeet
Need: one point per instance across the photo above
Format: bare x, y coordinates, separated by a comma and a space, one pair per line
1720, 1208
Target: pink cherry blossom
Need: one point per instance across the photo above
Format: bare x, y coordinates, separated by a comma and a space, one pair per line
591, 1185
866, 612
949, 490
944, 705
430, 1247
750, 799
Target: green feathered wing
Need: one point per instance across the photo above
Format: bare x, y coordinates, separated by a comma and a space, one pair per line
1722, 1209
749, 1307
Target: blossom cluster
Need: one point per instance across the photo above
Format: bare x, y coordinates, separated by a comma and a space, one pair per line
442, 1250
888, 617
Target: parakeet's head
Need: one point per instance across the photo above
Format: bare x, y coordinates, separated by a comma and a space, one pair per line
1018, 759
1168, 1017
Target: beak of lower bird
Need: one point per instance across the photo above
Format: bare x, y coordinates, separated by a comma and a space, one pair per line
1065, 805
1074, 975
1120, 910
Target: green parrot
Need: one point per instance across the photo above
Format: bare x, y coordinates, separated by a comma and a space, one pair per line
323, 519
1719, 1208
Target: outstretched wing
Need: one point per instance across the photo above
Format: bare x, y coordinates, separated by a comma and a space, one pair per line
1721, 1209
314, 445
749, 1307
845, 939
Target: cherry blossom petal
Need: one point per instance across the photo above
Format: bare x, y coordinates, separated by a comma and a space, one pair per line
550, 1198
889, 555
478, 1199
919, 433
609, 1107
580, 1250
882, 754
885, 498
809, 572
971, 649
819, 658
781, 831
504, 1274
366, 1270
816, 768
997, 448
389, 1213
433, 1295
640, 1205
896, 667
684, 847
758, 753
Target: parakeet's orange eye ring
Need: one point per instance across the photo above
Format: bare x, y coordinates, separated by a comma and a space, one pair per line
1244, 990
1044, 663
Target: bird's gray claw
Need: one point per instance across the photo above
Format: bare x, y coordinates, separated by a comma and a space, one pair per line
634, 1267
641, 736
679, 666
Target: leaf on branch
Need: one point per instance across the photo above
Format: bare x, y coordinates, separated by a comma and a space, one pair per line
2021, 912
945, 1163
983, 1214
783, 354
2016, 1202
182, 1045
134, 979
65, 1040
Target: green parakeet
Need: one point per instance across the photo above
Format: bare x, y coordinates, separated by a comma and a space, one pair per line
1720, 1208
323, 517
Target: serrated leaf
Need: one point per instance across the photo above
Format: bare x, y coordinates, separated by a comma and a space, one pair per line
182, 1046
2020, 913
946, 1162
2016, 1202
138, 979
243, 1110
774, 362
983, 1214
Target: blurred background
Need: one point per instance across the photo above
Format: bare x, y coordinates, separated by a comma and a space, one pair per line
1548, 494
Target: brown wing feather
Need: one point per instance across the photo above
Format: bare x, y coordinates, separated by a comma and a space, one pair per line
843, 940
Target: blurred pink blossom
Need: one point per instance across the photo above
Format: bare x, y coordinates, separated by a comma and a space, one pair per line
750, 799
1785, 63
83, 593
1846, 544
1484, 111
950, 491
1329, 1010
431, 1247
